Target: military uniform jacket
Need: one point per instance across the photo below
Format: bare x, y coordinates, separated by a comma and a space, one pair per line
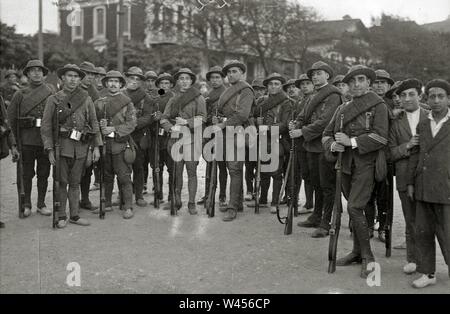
212, 103
316, 115
429, 166
83, 119
280, 115
7, 91
92, 91
31, 100
298, 108
365, 119
399, 136
143, 107
119, 111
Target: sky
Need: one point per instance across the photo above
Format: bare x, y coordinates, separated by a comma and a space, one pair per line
24, 13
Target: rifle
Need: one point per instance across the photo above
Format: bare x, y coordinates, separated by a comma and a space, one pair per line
173, 206
390, 211
210, 203
289, 175
258, 168
101, 169
19, 167
337, 211
56, 169
6, 129
156, 160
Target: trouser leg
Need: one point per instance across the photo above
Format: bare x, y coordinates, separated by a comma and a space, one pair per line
138, 174
191, 168
43, 172
425, 238
223, 177
409, 213
328, 184
314, 175
123, 172
29, 156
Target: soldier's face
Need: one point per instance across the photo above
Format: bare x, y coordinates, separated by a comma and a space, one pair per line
396, 99
35, 74
113, 84
184, 81
165, 84
134, 82
292, 91
343, 87
359, 85
12, 78
259, 92
150, 83
234, 74
216, 80
71, 79
381, 87
98, 80
438, 100
274, 87
319, 77
89, 78
306, 87
410, 99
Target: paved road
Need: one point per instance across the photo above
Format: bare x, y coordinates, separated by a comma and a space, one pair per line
156, 253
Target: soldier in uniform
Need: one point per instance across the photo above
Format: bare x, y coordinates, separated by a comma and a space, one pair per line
143, 108
165, 83
215, 78
343, 87
88, 83
78, 128
185, 109
428, 183
305, 85
276, 111
250, 166
235, 105
11, 86
311, 123
7, 142
402, 140
117, 117
28, 118
365, 130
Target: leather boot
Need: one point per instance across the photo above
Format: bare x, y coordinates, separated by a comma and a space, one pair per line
349, 259
230, 215
364, 271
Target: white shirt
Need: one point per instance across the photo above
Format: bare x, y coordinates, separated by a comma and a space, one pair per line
435, 127
413, 120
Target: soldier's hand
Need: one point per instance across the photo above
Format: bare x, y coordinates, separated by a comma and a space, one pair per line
51, 157
158, 115
338, 148
414, 141
410, 192
96, 154
215, 120
295, 133
15, 154
180, 121
343, 139
260, 121
103, 123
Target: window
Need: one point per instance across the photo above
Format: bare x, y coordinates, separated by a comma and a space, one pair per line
126, 20
77, 25
100, 21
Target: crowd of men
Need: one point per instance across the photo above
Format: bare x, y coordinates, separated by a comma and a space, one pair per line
380, 127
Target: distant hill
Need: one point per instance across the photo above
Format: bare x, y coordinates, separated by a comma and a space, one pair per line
441, 27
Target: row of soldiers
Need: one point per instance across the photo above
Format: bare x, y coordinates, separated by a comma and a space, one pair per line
357, 114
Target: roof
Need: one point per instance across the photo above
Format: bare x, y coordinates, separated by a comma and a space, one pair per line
442, 27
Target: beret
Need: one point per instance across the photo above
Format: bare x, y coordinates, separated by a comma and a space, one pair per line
438, 83
408, 84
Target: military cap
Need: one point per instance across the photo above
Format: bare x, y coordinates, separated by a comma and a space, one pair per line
273, 77
113, 74
288, 83
258, 83
11, 72
150, 75
215, 69
137, 71
359, 69
410, 83
164, 76
438, 83
100, 70
384, 75
35, 63
185, 71
70, 67
301, 78
233, 63
320, 65
87, 67
390, 93
338, 79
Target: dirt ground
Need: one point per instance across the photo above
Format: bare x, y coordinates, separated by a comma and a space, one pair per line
157, 253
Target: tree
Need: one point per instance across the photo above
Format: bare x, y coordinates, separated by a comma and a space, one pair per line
15, 49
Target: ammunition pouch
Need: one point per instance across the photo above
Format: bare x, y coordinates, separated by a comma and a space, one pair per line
26, 122
86, 137
122, 139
